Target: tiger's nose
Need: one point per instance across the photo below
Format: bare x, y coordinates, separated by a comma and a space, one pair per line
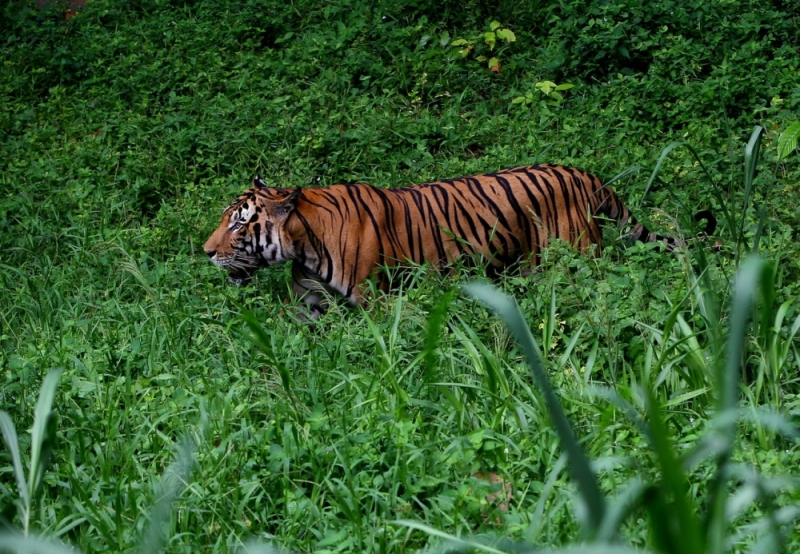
210, 252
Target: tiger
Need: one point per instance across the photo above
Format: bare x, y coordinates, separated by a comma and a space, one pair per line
337, 237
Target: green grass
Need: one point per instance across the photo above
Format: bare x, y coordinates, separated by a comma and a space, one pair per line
196, 416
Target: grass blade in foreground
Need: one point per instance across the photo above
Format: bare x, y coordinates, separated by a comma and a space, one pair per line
10, 437
435, 322
457, 544
43, 439
453, 542
44, 431
253, 547
13, 542
173, 483
508, 310
728, 380
674, 525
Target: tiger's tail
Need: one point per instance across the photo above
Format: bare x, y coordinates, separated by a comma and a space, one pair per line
614, 209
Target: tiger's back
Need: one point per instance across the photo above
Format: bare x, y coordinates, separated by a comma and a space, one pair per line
499, 216
338, 236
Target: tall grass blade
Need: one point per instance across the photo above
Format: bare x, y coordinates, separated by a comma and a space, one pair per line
673, 522
43, 435
10, 438
436, 321
453, 542
745, 287
550, 324
496, 379
788, 515
664, 153
506, 308
538, 521
264, 342
727, 215
666, 346
624, 406
573, 341
630, 171
728, 376
762, 218
14, 542
774, 421
710, 445
766, 306
620, 508
751, 153
253, 547
173, 483
766, 545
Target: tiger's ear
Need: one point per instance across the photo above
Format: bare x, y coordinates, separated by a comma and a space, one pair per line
288, 204
259, 183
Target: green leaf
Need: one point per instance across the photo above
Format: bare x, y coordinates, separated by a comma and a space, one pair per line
787, 142
444, 39
546, 86
506, 34
459, 42
494, 63
490, 39
495, 25
565, 86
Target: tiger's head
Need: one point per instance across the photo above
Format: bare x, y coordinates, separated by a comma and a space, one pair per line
252, 233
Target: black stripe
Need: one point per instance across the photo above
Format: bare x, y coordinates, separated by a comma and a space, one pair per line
477, 189
522, 220
551, 226
565, 193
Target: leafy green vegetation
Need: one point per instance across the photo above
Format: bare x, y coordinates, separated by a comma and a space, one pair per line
196, 416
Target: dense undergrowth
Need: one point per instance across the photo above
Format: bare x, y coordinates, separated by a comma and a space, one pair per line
128, 127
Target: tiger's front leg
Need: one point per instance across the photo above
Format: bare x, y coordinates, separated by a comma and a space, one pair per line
308, 288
